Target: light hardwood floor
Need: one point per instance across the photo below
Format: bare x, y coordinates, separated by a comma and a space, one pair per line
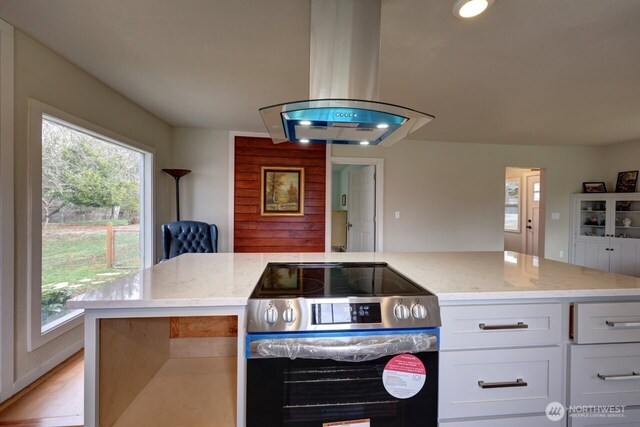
56, 400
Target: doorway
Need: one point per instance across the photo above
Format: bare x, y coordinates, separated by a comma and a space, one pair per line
356, 203
524, 210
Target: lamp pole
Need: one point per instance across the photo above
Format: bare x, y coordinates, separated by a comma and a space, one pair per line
177, 174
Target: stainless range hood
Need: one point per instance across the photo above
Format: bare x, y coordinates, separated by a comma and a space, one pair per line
343, 107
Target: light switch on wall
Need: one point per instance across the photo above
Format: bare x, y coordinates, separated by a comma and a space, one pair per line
397, 215
555, 215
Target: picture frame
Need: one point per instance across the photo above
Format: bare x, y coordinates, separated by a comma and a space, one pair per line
281, 191
626, 182
344, 200
594, 187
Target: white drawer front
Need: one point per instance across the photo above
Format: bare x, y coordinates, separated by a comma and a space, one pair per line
535, 421
607, 322
631, 418
617, 363
460, 393
510, 325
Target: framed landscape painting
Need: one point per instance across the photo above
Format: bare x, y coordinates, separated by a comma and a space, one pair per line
594, 187
282, 191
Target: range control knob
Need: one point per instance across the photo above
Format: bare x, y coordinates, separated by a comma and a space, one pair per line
419, 311
289, 315
271, 315
401, 312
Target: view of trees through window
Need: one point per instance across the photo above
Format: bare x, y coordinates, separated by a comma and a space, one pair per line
91, 203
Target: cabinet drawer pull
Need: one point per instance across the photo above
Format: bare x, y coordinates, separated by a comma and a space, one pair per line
623, 324
519, 325
633, 376
517, 383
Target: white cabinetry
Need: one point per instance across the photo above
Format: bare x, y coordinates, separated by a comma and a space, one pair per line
502, 361
605, 232
604, 365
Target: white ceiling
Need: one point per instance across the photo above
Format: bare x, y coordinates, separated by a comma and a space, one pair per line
527, 72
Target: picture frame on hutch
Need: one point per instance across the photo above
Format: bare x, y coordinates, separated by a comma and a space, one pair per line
594, 187
627, 182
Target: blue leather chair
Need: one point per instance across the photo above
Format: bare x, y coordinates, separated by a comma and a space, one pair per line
181, 237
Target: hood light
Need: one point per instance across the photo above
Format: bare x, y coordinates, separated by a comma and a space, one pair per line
305, 123
382, 126
304, 141
469, 8
364, 142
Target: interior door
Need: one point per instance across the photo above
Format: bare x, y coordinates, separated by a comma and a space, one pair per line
533, 214
361, 214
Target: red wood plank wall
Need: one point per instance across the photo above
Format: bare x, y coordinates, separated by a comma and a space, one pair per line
256, 233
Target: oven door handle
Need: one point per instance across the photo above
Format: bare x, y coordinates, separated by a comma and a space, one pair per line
345, 349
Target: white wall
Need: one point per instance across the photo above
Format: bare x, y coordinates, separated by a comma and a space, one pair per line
451, 195
204, 193
44, 75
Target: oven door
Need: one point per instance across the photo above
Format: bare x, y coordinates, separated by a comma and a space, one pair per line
313, 389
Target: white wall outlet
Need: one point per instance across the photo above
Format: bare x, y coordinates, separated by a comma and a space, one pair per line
561, 254
555, 215
397, 215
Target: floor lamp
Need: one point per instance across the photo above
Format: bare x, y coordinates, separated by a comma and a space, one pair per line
177, 174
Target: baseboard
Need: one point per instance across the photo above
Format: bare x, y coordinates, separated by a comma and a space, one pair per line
48, 365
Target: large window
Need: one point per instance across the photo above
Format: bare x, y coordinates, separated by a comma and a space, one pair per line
91, 215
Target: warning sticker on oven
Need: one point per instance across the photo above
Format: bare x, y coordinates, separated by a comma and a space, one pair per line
404, 376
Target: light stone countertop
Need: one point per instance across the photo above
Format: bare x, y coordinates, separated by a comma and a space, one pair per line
227, 279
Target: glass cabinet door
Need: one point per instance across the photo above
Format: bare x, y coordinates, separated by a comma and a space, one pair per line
627, 219
593, 216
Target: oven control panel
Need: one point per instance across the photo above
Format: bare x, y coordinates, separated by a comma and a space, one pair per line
310, 314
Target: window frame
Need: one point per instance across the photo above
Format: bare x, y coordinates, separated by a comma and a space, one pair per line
518, 205
6, 211
37, 112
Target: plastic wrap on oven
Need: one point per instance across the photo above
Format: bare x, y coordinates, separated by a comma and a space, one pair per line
351, 349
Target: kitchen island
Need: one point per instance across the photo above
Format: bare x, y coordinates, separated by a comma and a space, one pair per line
125, 377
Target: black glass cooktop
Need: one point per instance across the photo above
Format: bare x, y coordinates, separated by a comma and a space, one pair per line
331, 280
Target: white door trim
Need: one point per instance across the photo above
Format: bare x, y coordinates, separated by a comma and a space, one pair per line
6, 212
232, 178
379, 165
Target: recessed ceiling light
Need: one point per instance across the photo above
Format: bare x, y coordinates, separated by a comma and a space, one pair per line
304, 141
364, 142
470, 8
305, 122
382, 126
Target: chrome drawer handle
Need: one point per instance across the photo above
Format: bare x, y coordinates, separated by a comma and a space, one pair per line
517, 383
634, 376
623, 324
519, 325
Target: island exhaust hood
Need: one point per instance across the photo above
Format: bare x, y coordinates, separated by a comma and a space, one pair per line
343, 87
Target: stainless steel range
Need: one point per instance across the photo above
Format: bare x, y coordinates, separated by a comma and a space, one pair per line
338, 296
339, 342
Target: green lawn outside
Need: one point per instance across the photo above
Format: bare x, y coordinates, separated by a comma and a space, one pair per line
74, 261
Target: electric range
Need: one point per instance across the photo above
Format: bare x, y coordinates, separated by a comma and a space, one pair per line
338, 296
345, 343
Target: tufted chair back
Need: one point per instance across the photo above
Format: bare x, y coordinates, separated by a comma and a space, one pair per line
188, 237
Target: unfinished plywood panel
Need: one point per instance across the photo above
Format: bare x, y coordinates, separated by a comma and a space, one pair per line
132, 351
204, 347
187, 392
204, 326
